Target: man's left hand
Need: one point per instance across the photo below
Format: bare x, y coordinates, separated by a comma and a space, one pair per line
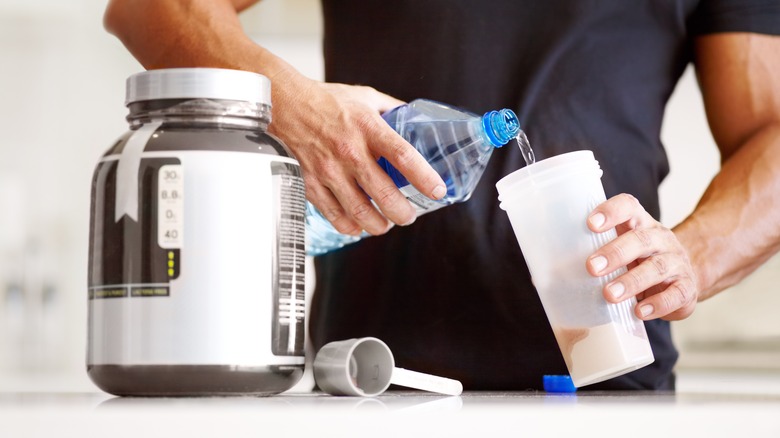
660, 274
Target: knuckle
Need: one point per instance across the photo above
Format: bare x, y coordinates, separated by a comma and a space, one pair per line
333, 214
387, 195
324, 172
677, 296
361, 210
343, 224
312, 181
346, 151
404, 154
365, 120
615, 251
685, 292
644, 236
634, 279
660, 265
667, 303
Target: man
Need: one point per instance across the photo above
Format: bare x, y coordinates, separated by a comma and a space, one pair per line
450, 294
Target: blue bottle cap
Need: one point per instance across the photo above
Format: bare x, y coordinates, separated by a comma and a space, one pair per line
558, 383
500, 126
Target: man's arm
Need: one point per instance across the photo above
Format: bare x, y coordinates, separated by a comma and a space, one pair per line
165, 34
736, 226
334, 130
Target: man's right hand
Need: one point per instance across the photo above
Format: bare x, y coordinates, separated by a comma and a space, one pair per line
337, 134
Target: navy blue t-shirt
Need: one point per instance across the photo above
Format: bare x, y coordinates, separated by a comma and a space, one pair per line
451, 294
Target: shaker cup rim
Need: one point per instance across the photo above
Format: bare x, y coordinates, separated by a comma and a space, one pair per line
545, 172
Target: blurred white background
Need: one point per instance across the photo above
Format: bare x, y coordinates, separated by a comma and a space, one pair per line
62, 90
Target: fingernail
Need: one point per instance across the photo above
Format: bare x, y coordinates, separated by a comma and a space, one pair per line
598, 263
409, 222
439, 192
646, 310
597, 220
616, 290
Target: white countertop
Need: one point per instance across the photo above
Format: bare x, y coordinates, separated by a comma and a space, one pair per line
707, 404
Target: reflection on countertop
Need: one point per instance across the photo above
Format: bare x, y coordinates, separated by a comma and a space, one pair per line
722, 403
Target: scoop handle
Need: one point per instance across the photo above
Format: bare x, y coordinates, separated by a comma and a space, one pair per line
425, 382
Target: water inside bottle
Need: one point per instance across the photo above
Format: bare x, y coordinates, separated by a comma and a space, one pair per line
525, 148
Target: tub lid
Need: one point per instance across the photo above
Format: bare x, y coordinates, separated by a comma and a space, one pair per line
198, 83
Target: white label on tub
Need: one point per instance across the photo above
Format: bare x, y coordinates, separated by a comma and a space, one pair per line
170, 206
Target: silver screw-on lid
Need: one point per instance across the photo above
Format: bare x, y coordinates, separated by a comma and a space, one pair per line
198, 83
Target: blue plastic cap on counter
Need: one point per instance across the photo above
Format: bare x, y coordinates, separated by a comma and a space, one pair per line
558, 383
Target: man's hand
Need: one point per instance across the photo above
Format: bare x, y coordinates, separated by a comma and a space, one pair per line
660, 273
337, 134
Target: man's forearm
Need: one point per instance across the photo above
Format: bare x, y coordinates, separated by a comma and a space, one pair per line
736, 225
194, 33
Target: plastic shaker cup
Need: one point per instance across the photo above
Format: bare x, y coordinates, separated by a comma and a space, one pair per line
548, 204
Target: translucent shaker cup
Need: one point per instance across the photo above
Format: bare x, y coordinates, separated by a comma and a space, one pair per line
548, 204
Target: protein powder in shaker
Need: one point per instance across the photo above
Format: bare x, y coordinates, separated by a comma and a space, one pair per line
196, 254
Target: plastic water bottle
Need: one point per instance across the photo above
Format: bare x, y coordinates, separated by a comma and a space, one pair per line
456, 143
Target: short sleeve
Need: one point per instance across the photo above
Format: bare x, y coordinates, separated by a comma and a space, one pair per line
715, 16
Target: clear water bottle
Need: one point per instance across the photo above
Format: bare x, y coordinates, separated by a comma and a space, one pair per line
456, 143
